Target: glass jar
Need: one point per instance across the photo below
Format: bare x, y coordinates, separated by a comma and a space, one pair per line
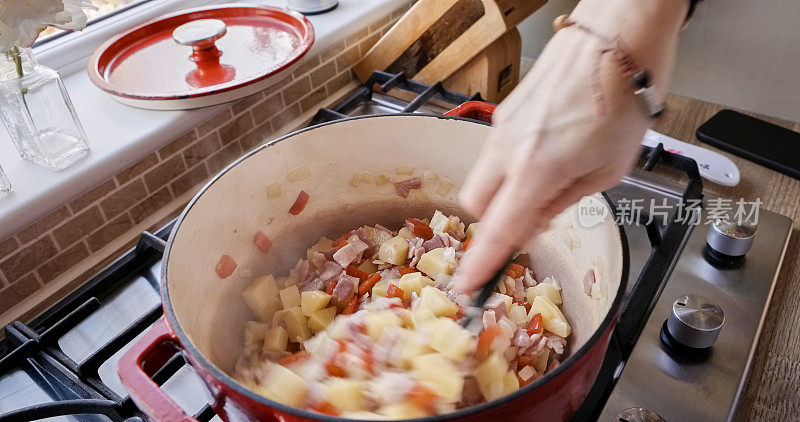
37, 111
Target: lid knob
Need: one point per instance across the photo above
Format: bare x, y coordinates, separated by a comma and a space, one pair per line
200, 34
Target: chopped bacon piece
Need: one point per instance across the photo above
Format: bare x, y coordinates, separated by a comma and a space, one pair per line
326, 408
355, 272
394, 291
294, 358
225, 266
335, 370
352, 307
524, 303
299, 203
515, 270
535, 326
405, 186
485, 340
367, 285
420, 229
407, 270
262, 241
423, 397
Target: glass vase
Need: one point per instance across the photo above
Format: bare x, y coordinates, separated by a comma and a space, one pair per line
37, 111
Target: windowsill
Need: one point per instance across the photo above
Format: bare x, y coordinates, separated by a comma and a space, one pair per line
120, 135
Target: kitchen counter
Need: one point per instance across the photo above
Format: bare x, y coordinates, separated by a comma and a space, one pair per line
773, 387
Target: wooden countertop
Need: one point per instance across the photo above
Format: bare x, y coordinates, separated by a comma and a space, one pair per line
772, 391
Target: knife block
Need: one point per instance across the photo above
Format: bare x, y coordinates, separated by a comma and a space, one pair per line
494, 72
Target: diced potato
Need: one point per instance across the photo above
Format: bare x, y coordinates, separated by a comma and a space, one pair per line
284, 386
405, 233
472, 229
296, 324
337, 329
291, 280
411, 347
436, 301
377, 236
508, 300
510, 383
290, 297
433, 263
518, 314
276, 339
540, 361
261, 297
368, 266
313, 300
377, 321
552, 318
490, 375
402, 410
413, 282
441, 375
394, 250
420, 316
440, 222
448, 338
321, 319
550, 291
345, 394
322, 245
380, 288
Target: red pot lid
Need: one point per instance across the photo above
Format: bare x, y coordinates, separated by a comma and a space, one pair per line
202, 56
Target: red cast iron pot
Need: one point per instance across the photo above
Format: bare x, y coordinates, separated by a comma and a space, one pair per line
204, 315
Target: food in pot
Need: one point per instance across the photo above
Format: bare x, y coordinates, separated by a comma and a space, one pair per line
367, 326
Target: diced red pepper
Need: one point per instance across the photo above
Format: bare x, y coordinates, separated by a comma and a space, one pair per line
294, 358
341, 241
522, 382
394, 291
369, 361
485, 340
299, 203
262, 241
366, 286
407, 270
335, 370
421, 229
342, 346
524, 303
326, 408
225, 267
535, 326
467, 243
330, 285
515, 270
355, 272
351, 307
423, 397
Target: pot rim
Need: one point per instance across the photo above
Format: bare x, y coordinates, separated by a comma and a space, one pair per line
231, 383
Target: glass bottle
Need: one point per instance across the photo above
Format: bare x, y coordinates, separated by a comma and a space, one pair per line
37, 111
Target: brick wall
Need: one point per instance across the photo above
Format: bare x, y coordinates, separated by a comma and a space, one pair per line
78, 233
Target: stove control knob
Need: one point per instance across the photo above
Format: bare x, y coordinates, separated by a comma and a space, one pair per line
695, 322
730, 239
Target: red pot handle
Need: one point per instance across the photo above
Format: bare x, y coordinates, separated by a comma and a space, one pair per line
137, 365
475, 110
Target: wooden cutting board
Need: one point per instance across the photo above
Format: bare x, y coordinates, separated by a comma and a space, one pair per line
435, 38
494, 72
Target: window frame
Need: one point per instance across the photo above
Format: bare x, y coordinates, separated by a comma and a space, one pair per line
69, 52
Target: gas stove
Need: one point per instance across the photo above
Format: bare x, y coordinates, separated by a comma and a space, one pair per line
63, 363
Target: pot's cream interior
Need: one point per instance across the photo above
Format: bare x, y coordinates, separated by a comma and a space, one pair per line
227, 214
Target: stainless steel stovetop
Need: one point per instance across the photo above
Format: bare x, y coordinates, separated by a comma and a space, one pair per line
85, 335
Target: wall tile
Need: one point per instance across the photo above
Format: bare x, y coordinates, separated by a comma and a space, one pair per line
27, 258
18, 291
76, 228
8, 246
347, 59
257, 136
296, 90
109, 232
149, 206
236, 128
189, 180
246, 102
135, 170
380, 24
92, 195
340, 81
313, 99
202, 149
178, 144
355, 38
224, 157
268, 108
283, 118
370, 41
213, 123
323, 73
43, 225
62, 262
163, 174
332, 51
124, 198
307, 64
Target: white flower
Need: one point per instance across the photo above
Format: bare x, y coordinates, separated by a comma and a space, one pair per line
22, 20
